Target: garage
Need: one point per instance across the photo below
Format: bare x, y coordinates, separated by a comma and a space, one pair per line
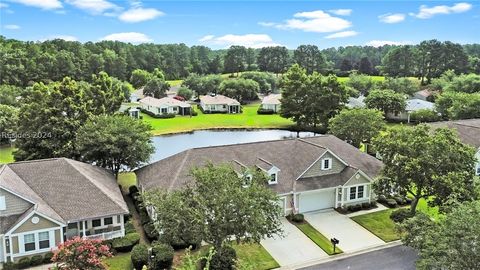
316, 200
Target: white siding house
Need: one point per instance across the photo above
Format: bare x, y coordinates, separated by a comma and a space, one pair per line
219, 104
272, 102
166, 105
413, 105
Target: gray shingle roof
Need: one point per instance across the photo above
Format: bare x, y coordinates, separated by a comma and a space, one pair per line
218, 99
64, 189
468, 130
291, 156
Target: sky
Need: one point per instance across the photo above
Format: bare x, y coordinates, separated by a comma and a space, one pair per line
220, 24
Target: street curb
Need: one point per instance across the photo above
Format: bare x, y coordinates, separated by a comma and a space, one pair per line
341, 256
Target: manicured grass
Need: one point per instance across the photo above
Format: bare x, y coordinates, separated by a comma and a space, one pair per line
380, 224
318, 238
175, 82
255, 256
121, 261
6, 154
247, 119
422, 206
126, 180
374, 78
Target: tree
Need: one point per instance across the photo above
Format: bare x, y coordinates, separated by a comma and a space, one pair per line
433, 165
79, 253
400, 62
140, 78
454, 105
310, 100
365, 66
8, 121
357, 126
448, 243
114, 142
156, 88
386, 101
405, 86
266, 81
185, 93
9, 94
221, 215
310, 58
273, 59
240, 89
104, 95
362, 83
235, 59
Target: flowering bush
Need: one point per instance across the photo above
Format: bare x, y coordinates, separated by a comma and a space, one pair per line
81, 254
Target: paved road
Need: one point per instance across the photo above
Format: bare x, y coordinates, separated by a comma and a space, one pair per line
393, 258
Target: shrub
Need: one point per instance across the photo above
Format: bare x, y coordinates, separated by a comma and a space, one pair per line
139, 256
36, 260
133, 191
424, 115
408, 200
194, 113
265, 111
162, 256
144, 218
400, 215
150, 231
382, 199
366, 205
298, 218
373, 204
354, 208
223, 259
24, 263
129, 228
10, 266
47, 258
391, 203
400, 200
126, 243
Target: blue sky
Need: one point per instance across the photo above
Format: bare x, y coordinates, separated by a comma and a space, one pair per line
219, 24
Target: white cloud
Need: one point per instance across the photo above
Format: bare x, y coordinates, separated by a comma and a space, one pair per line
314, 21
12, 27
267, 24
379, 43
64, 37
342, 34
392, 18
132, 37
248, 40
94, 6
43, 4
341, 12
139, 14
426, 12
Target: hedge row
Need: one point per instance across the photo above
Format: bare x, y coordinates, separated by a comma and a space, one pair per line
394, 201
28, 262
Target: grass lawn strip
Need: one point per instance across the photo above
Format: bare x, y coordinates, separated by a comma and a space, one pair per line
255, 256
380, 224
126, 180
121, 261
6, 154
318, 238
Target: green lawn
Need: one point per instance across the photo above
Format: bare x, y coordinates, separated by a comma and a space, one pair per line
126, 180
6, 154
422, 206
175, 82
248, 119
380, 224
318, 238
121, 261
255, 256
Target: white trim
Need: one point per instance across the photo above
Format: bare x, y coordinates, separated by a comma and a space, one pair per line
34, 212
21, 243
326, 151
359, 172
315, 190
365, 197
322, 167
18, 195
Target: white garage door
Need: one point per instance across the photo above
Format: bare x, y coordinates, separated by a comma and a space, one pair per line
316, 200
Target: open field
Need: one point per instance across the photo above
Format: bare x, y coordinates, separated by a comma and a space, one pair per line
248, 119
6, 154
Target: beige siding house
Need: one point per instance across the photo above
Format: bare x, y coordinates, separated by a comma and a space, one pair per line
272, 102
45, 202
308, 174
166, 105
219, 104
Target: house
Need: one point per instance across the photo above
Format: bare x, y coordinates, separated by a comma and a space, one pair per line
219, 104
468, 131
356, 102
130, 111
136, 95
272, 102
308, 174
45, 202
166, 105
413, 105
425, 94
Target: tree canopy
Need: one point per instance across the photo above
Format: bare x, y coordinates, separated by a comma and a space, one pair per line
240, 89
385, 100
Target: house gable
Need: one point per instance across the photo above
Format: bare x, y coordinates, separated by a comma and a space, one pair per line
14, 204
358, 179
33, 223
317, 168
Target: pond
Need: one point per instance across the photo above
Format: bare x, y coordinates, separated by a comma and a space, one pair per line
168, 145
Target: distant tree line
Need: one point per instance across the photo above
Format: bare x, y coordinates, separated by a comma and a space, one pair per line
24, 63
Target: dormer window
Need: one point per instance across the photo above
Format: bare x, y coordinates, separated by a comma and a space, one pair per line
247, 180
326, 164
273, 178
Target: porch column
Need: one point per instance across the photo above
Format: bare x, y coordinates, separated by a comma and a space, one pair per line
343, 196
84, 228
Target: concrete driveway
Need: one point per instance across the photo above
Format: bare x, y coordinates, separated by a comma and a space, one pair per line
293, 248
352, 236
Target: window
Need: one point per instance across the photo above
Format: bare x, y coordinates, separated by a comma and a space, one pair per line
353, 193
96, 223
44, 240
326, 164
360, 190
164, 110
478, 173
273, 178
3, 205
29, 242
108, 221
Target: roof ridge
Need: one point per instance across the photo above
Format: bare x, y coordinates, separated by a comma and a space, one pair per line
69, 161
312, 143
264, 160
239, 163
180, 167
245, 143
35, 160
